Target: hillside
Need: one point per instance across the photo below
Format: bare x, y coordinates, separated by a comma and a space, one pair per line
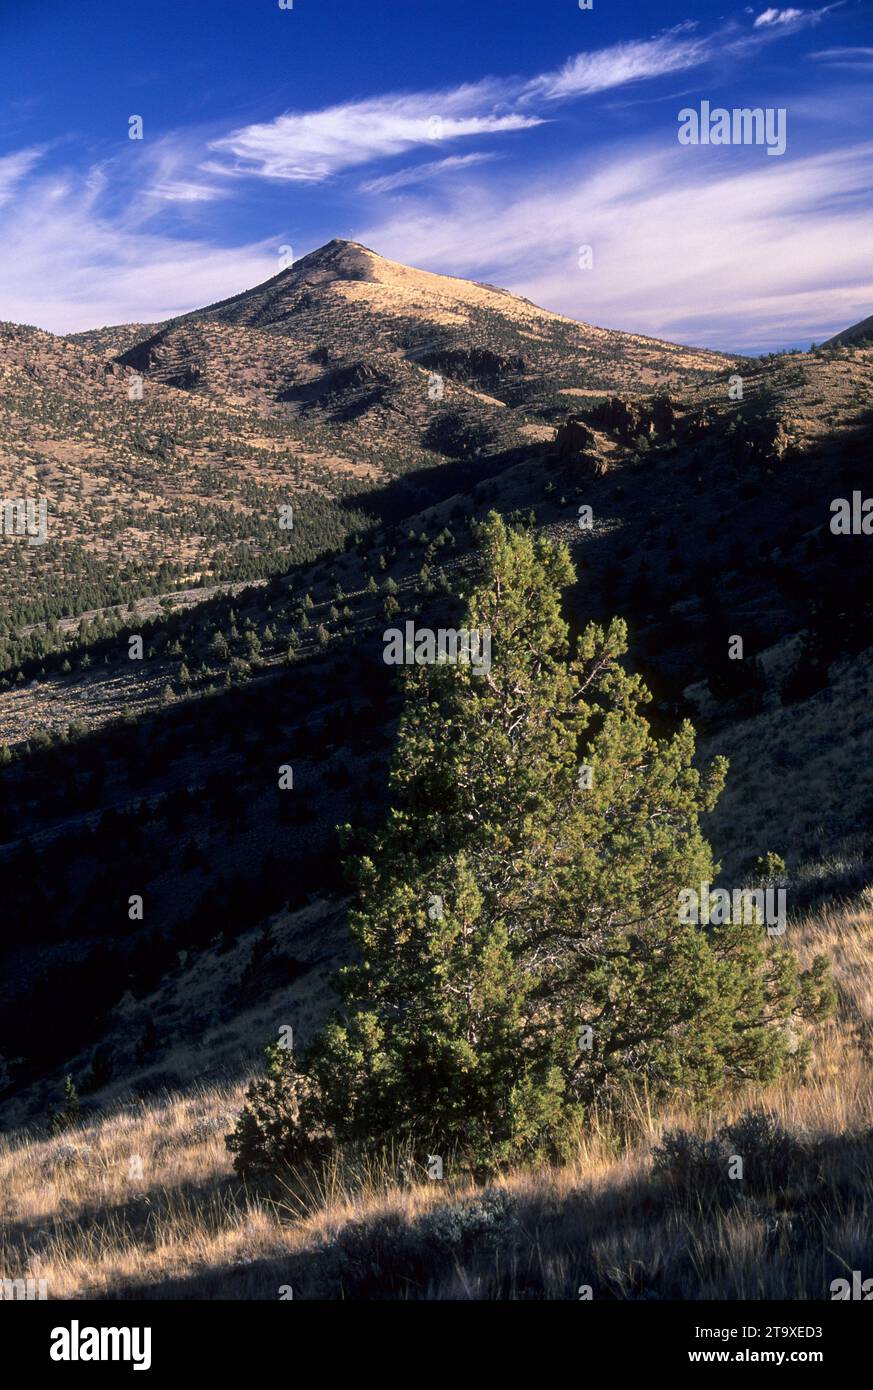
403, 367
345, 296
856, 333
345, 379
140, 1201
143, 495
711, 517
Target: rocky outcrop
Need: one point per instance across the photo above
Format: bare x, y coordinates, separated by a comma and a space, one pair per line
630, 419
575, 443
573, 438
475, 364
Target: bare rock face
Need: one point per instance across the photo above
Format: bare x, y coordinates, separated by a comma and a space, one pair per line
575, 443
573, 438
474, 364
767, 440
630, 419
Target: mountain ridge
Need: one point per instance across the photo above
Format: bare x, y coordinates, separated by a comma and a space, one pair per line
343, 261
855, 333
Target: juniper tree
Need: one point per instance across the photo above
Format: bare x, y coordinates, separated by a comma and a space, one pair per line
433, 1045
521, 952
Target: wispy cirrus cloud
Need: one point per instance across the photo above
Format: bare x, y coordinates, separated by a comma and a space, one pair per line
70, 263
589, 73
309, 147
790, 17
734, 257
162, 173
423, 173
14, 167
861, 59
313, 146
184, 191
774, 16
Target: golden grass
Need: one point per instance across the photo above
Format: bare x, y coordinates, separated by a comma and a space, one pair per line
144, 1201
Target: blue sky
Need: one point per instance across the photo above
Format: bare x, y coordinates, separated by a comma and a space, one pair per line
488, 140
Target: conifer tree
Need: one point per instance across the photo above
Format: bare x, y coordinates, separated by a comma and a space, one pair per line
521, 952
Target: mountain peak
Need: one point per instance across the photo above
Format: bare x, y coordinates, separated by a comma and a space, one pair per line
347, 260
339, 242
359, 303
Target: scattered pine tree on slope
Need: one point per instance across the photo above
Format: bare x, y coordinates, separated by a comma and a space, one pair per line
508, 906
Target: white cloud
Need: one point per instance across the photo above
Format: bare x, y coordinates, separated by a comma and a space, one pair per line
773, 16
422, 173
858, 59
827, 53
309, 147
182, 191
791, 18
14, 167
726, 257
158, 173
67, 265
589, 73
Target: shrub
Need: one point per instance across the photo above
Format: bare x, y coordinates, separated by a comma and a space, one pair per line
463, 1226
771, 1157
387, 1251
276, 1127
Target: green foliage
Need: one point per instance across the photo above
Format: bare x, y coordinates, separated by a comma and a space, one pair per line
769, 870
276, 1127
70, 1111
521, 953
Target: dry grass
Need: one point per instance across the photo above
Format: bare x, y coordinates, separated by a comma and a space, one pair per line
77, 1212
811, 789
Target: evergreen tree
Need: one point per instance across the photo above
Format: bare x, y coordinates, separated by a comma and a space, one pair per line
520, 942
70, 1112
